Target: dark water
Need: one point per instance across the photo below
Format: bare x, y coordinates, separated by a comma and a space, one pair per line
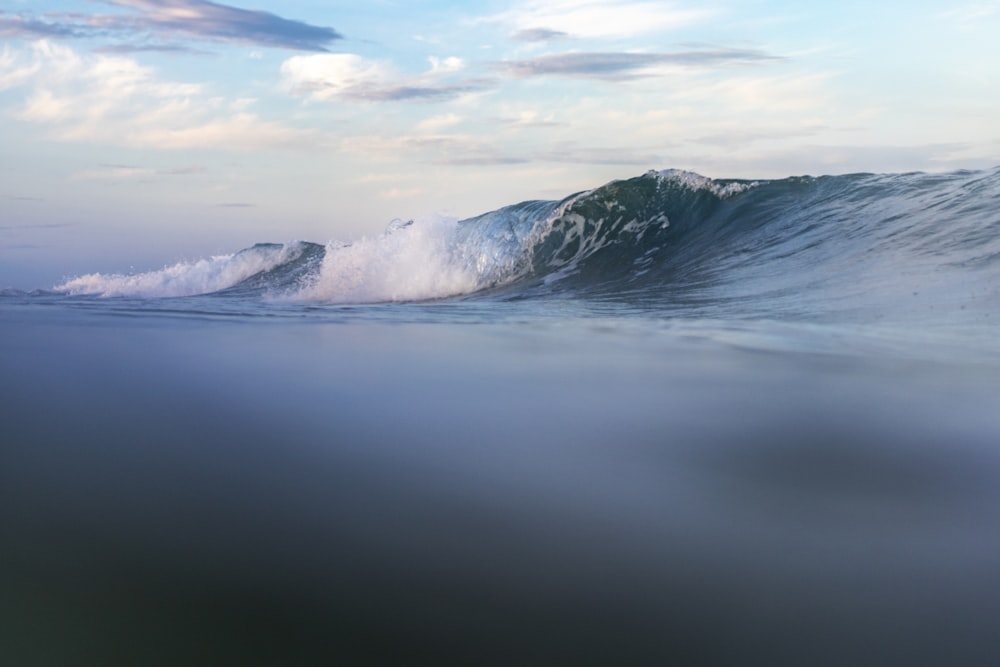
671, 421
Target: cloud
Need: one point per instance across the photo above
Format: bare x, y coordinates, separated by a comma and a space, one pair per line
770, 98
449, 65
738, 137
114, 99
463, 150
190, 170
149, 48
437, 123
567, 154
198, 19
113, 173
606, 156
780, 161
623, 65
349, 77
440, 149
537, 35
30, 28
400, 193
34, 226
529, 119
491, 160
242, 131
597, 18
972, 12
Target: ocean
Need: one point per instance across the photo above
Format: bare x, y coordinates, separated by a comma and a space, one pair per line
671, 420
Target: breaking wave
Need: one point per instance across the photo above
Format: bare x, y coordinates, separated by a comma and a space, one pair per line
859, 243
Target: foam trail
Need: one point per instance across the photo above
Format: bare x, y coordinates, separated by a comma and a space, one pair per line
410, 261
187, 278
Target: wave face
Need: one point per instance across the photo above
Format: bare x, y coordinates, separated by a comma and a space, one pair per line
863, 244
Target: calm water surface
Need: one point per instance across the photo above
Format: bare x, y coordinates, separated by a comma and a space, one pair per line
552, 481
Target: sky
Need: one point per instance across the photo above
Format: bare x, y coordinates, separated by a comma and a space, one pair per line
138, 133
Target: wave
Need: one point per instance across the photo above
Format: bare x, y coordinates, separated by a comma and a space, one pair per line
261, 267
665, 238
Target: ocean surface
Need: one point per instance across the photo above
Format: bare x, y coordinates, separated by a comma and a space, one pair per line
669, 421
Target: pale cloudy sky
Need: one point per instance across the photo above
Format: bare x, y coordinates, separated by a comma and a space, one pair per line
134, 133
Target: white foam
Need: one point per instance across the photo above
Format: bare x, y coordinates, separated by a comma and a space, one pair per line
186, 278
695, 181
409, 262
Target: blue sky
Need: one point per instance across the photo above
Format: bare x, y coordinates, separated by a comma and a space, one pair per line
134, 133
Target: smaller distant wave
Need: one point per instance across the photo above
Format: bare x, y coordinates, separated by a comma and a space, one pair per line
251, 267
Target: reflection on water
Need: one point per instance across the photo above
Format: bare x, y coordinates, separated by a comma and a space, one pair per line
179, 491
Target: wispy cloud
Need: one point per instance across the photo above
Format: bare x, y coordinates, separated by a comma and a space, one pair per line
437, 123
620, 65
114, 99
34, 226
538, 35
529, 119
400, 193
488, 160
14, 71
20, 198
466, 150
442, 149
117, 173
150, 48
238, 132
186, 19
349, 77
737, 137
15, 26
596, 18
971, 12
114, 173
620, 155
190, 170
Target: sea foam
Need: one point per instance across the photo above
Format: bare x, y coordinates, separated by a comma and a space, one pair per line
187, 278
412, 260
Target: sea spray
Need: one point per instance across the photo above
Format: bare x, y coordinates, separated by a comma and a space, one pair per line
204, 276
410, 261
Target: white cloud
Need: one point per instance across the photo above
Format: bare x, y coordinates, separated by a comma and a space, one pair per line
240, 132
599, 18
460, 149
438, 123
349, 77
448, 65
401, 193
771, 96
114, 99
113, 173
972, 12
12, 73
330, 75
